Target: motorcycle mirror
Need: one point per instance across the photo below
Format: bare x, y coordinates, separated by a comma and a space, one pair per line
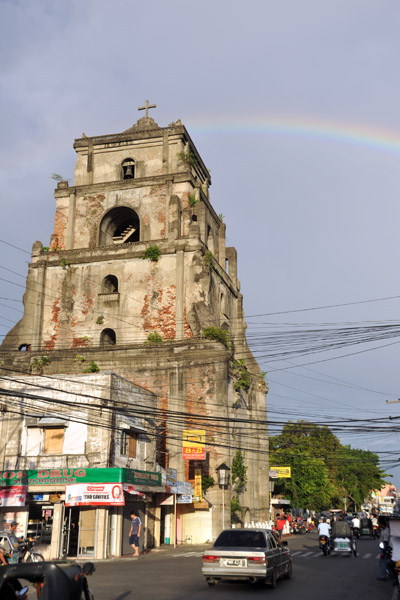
22, 592
382, 545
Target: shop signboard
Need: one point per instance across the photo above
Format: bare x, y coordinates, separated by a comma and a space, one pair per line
14, 495
170, 476
277, 472
181, 487
71, 476
194, 444
94, 494
141, 477
184, 499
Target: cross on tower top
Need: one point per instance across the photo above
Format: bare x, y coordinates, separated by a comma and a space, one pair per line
146, 108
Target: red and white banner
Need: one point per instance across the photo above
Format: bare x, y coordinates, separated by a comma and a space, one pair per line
14, 495
94, 494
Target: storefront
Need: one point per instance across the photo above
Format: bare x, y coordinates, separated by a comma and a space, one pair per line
88, 524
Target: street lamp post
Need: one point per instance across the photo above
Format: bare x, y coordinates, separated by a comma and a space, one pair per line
223, 472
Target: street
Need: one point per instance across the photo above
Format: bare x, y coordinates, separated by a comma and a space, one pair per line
174, 574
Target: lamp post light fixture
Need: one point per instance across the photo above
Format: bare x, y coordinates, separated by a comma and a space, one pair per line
223, 472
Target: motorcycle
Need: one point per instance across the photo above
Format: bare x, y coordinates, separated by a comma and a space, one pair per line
375, 531
299, 526
324, 544
64, 581
27, 553
19, 551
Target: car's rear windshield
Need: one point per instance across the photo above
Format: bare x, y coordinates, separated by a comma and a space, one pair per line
243, 539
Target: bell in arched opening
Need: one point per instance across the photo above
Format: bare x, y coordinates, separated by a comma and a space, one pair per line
128, 168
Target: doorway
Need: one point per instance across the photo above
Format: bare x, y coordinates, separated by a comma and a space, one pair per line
87, 532
71, 532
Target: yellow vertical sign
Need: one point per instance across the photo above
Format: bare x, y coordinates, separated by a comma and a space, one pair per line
194, 444
198, 492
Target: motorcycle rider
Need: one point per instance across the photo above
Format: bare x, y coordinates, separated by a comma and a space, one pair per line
324, 528
356, 525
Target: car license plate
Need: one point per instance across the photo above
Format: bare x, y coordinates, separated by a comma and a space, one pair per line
233, 562
342, 545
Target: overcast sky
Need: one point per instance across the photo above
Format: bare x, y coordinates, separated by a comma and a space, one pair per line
294, 107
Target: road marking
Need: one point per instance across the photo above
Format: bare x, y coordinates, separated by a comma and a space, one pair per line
302, 554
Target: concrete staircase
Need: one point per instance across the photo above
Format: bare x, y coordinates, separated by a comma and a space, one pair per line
120, 239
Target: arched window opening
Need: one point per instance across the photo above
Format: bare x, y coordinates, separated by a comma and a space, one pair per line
210, 240
109, 285
194, 218
108, 337
222, 305
24, 348
119, 226
128, 168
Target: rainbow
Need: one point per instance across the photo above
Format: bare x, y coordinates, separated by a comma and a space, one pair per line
341, 132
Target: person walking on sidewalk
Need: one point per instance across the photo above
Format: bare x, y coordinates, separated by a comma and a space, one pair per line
134, 532
280, 524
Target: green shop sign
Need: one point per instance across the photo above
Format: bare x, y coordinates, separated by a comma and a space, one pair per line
69, 476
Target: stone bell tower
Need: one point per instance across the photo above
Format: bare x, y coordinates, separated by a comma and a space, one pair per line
138, 249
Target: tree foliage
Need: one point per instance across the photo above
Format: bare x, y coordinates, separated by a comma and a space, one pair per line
323, 471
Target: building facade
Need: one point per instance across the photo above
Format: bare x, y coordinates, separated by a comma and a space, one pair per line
137, 280
94, 431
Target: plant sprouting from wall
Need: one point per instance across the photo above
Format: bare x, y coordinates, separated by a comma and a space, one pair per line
100, 320
187, 158
154, 338
79, 358
39, 363
92, 367
64, 263
207, 482
241, 375
208, 259
152, 253
218, 334
192, 200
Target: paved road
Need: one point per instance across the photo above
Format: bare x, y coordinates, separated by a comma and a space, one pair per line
175, 575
